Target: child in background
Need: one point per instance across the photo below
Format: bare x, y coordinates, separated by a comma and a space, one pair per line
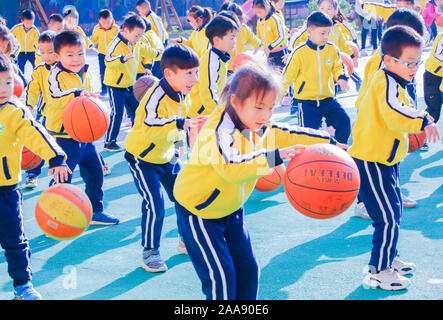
429, 15
147, 54
68, 79
222, 34
144, 9
27, 35
37, 93
102, 35
387, 115
314, 83
272, 32
152, 145
9, 45
240, 145
198, 17
55, 22
70, 22
151, 58
19, 128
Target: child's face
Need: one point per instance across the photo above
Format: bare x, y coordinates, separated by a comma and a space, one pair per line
195, 23
106, 23
47, 52
71, 23
28, 23
255, 111
319, 35
279, 5
227, 42
133, 35
327, 8
55, 26
72, 57
409, 54
6, 85
3, 46
182, 80
143, 9
404, 4
261, 12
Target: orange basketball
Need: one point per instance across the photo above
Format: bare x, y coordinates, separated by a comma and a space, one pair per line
29, 159
142, 86
19, 86
439, 20
322, 181
63, 211
347, 61
240, 59
416, 141
354, 48
271, 181
86, 119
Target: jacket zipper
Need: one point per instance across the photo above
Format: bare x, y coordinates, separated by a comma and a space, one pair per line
319, 75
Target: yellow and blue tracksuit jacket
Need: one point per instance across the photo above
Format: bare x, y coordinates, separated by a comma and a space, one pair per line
197, 41
227, 160
315, 80
213, 70
272, 32
158, 124
88, 41
382, 10
154, 42
246, 39
28, 39
386, 116
38, 87
372, 66
103, 37
348, 31
434, 63
64, 85
146, 54
157, 26
18, 128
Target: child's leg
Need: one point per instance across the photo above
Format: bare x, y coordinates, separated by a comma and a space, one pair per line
74, 151
21, 61
102, 67
147, 180
131, 104
380, 193
12, 238
31, 58
337, 117
431, 86
309, 115
209, 253
117, 102
156, 70
36, 171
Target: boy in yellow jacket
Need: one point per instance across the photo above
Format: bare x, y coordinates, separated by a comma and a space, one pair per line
18, 128
314, 83
144, 9
380, 142
27, 35
152, 145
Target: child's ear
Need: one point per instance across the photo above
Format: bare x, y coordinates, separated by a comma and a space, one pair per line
388, 60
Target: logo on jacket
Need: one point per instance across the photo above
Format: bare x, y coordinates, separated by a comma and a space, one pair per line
328, 62
2, 128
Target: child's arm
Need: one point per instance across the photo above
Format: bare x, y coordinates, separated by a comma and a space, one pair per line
278, 31
208, 89
251, 39
60, 95
339, 73
291, 71
114, 59
15, 48
95, 37
34, 89
298, 37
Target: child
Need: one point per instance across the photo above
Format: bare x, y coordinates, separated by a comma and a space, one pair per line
222, 34
17, 129
429, 15
246, 39
314, 82
37, 93
237, 145
144, 9
386, 114
68, 79
152, 145
55, 22
102, 35
384, 10
272, 32
198, 17
70, 22
27, 35
152, 54
120, 75
8, 43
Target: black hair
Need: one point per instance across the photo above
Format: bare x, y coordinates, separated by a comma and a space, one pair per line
70, 11
231, 6
219, 27
55, 17
67, 38
148, 24
142, 2
133, 20
231, 15
396, 38
27, 15
179, 56
104, 14
264, 4
318, 19
5, 63
407, 17
47, 36
203, 13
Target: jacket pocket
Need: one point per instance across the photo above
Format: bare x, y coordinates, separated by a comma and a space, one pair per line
201, 110
144, 153
301, 87
210, 200
394, 150
5, 168
437, 69
120, 78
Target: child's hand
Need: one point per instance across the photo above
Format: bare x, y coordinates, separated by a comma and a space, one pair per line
432, 133
127, 57
285, 58
343, 84
291, 152
60, 173
148, 72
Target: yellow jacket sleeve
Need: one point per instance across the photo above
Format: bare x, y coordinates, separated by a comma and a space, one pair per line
34, 88
291, 71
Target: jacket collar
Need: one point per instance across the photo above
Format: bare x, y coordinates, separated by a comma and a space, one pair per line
313, 46
397, 78
120, 36
174, 95
83, 70
225, 57
247, 133
101, 27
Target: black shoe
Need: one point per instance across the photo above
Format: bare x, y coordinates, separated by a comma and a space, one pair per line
112, 146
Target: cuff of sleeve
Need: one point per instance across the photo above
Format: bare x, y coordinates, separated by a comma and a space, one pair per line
273, 158
180, 123
343, 77
121, 59
426, 121
332, 141
77, 93
57, 161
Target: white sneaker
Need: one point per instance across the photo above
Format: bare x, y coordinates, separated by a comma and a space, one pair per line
360, 211
181, 248
403, 268
408, 202
387, 279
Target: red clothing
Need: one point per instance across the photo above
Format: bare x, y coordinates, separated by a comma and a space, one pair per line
429, 13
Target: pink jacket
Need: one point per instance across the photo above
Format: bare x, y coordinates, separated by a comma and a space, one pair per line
429, 13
